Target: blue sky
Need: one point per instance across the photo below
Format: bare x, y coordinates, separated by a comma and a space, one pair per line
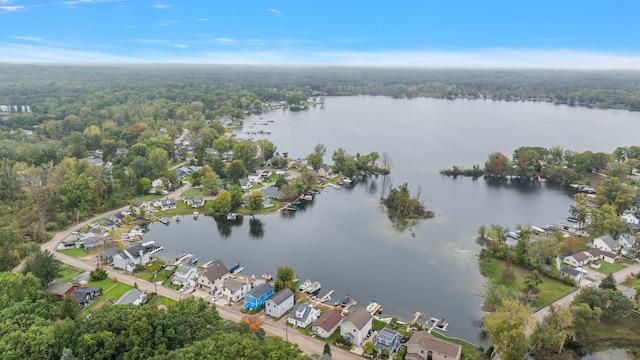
435, 33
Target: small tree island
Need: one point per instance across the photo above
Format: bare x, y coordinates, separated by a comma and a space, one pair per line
403, 210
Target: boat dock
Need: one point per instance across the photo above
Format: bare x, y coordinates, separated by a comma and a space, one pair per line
375, 309
417, 316
438, 324
164, 220
182, 258
326, 297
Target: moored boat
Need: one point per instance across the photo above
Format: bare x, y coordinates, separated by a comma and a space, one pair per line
315, 287
267, 276
305, 285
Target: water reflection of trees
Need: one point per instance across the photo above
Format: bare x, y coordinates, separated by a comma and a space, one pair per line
256, 229
225, 226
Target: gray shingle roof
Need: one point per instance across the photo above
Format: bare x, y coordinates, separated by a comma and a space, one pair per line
216, 270
358, 317
281, 296
129, 297
259, 290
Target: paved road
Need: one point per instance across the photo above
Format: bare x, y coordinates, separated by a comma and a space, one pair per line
272, 328
620, 277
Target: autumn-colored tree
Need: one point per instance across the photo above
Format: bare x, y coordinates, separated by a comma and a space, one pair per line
253, 321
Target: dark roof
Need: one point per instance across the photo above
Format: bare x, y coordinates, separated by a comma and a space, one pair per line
358, 317
233, 284
328, 320
81, 293
428, 342
110, 251
135, 250
580, 256
260, 290
388, 339
570, 271
137, 203
216, 270
281, 296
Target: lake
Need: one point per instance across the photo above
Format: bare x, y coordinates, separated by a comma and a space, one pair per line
343, 238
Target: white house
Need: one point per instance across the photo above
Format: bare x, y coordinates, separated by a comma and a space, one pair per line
597, 254
356, 326
303, 315
234, 289
185, 275
280, 303
213, 276
132, 297
630, 218
139, 254
626, 241
157, 183
607, 243
254, 178
577, 259
167, 204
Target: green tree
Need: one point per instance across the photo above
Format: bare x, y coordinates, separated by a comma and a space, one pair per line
555, 328
613, 192
222, 203
604, 219
254, 201
285, 278
609, 282
368, 348
98, 274
69, 308
315, 160
144, 185
211, 182
543, 250
236, 196
496, 164
44, 266
158, 158
15, 288
267, 149
236, 171
614, 305
583, 317
507, 329
247, 152
580, 210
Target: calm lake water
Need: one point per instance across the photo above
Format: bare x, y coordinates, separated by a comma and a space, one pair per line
343, 238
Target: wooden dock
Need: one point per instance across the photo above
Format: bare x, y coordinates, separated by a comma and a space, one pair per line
376, 309
183, 258
326, 297
435, 322
416, 317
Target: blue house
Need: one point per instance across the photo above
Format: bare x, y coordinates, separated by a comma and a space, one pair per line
258, 296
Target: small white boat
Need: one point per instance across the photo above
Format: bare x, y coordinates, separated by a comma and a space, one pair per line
372, 305
315, 286
307, 197
231, 216
267, 276
195, 215
305, 285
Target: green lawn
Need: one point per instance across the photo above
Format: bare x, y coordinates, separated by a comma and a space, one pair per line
194, 192
148, 271
112, 293
550, 289
74, 252
161, 300
67, 273
606, 268
378, 325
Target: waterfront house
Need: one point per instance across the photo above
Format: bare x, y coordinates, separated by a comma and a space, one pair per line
107, 254
167, 204
234, 289
303, 315
325, 171
356, 326
132, 297
60, 290
423, 346
256, 298
194, 201
185, 275
327, 323
279, 303
213, 276
271, 192
387, 339
607, 243
139, 254
577, 259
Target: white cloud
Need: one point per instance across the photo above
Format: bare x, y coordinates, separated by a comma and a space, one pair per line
6, 1
275, 12
167, 22
150, 41
9, 9
225, 40
27, 38
131, 26
161, 6
202, 19
469, 58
